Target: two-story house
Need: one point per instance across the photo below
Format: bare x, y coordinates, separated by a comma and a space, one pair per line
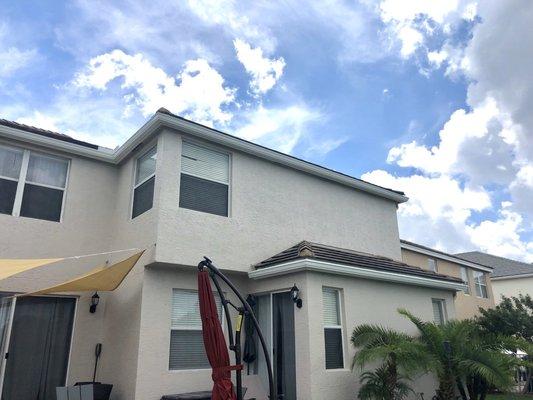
478, 291
181, 190
510, 278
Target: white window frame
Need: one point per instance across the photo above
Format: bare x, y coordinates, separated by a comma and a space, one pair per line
435, 268
228, 183
466, 279
136, 185
22, 180
222, 317
442, 308
341, 321
479, 285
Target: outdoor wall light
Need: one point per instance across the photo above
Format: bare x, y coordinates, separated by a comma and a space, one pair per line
95, 299
295, 294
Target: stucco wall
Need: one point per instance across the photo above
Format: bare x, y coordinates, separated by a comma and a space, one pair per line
512, 287
466, 305
272, 208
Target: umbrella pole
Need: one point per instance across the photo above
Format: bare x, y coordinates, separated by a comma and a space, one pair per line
207, 263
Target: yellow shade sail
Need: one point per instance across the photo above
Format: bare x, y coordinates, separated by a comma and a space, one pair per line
99, 279
12, 267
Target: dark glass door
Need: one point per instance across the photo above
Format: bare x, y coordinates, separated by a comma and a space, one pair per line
283, 345
39, 348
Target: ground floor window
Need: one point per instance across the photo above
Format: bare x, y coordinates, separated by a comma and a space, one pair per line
332, 328
186, 341
439, 311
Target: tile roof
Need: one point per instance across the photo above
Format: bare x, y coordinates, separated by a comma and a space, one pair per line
337, 255
47, 133
502, 266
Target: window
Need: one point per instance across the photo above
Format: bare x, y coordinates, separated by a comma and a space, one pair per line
186, 341
32, 184
332, 328
432, 264
464, 277
143, 190
480, 280
439, 311
204, 184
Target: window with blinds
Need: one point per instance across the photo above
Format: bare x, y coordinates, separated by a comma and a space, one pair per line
466, 279
439, 311
332, 328
32, 184
143, 189
480, 281
204, 183
432, 264
186, 342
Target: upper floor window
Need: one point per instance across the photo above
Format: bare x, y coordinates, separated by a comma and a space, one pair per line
186, 341
143, 191
204, 183
480, 280
432, 264
32, 184
439, 311
466, 279
332, 328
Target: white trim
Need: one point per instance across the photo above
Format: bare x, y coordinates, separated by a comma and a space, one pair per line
442, 256
76, 303
7, 342
502, 278
347, 270
160, 120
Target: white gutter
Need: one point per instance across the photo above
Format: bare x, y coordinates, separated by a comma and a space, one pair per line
291, 267
442, 256
502, 278
164, 120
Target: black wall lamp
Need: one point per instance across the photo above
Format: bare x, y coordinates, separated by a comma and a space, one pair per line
295, 294
95, 299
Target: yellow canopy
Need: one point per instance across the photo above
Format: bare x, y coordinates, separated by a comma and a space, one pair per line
99, 279
12, 267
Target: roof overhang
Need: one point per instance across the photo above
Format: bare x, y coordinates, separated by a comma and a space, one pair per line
437, 254
355, 272
161, 120
518, 276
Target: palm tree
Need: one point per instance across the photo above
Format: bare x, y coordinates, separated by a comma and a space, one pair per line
401, 357
460, 355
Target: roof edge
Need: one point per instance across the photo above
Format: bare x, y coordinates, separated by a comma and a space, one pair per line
418, 248
163, 118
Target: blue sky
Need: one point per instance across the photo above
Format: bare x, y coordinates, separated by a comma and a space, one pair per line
413, 95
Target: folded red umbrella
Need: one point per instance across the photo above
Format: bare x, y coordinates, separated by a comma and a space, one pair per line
214, 342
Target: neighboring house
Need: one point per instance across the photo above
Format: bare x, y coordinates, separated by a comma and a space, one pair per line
509, 277
477, 276
182, 191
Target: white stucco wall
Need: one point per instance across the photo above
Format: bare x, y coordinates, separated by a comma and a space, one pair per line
271, 208
512, 287
363, 301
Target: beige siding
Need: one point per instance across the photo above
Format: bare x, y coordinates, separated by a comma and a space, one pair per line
512, 287
466, 305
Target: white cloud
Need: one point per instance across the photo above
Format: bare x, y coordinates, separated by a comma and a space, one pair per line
198, 92
278, 128
265, 72
12, 59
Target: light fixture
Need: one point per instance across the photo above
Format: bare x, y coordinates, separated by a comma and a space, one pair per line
295, 294
95, 299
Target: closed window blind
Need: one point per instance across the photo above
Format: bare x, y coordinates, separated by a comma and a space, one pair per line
480, 280
439, 315
332, 329
466, 279
204, 183
432, 264
186, 341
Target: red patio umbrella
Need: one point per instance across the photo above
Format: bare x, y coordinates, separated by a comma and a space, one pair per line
214, 342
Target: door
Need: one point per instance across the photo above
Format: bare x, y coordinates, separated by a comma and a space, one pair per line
39, 348
275, 314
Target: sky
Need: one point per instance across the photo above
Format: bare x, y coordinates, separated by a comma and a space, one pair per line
434, 98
